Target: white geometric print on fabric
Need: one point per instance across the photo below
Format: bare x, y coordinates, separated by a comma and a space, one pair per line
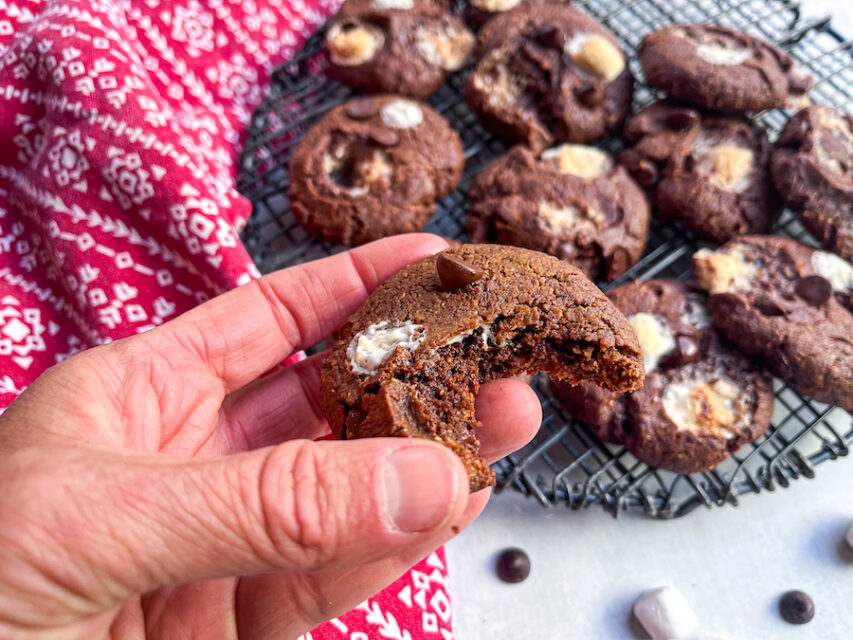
120, 124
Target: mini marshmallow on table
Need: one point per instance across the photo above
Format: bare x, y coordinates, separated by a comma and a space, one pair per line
665, 614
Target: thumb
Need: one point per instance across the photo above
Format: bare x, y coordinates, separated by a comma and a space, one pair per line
136, 522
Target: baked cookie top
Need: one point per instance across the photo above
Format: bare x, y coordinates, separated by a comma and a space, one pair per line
812, 167
547, 72
373, 167
722, 69
708, 171
701, 399
571, 201
410, 361
406, 47
789, 304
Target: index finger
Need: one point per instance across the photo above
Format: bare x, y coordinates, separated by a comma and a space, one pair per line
243, 333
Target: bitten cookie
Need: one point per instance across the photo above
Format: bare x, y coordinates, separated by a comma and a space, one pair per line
788, 304
707, 171
410, 361
406, 47
546, 72
812, 167
722, 69
701, 400
571, 201
373, 167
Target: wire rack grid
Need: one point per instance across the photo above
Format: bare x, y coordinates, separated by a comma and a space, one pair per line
566, 463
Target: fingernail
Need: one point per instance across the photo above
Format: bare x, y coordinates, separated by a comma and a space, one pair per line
421, 487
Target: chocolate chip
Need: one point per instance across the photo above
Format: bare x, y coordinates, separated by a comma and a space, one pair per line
612, 212
590, 95
361, 109
796, 607
689, 164
814, 289
767, 306
549, 36
513, 565
686, 351
384, 137
454, 273
680, 120
646, 173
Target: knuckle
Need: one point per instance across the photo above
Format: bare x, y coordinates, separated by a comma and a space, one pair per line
302, 504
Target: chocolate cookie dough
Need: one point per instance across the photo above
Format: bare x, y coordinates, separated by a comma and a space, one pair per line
410, 361
373, 167
709, 172
788, 304
406, 47
571, 201
722, 69
549, 73
812, 167
701, 400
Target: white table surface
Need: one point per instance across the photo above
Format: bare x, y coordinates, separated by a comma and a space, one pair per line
730, 563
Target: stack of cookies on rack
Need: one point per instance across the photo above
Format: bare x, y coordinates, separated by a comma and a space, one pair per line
550, 80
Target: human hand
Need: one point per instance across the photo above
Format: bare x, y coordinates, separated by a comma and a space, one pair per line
162, 486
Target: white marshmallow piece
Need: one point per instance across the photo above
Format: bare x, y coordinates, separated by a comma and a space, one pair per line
849, 537
393, 4
665, 614
370, 348
402, 114
836, 270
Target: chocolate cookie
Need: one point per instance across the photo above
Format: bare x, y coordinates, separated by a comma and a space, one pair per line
547, 72
410, 361
373, 167
723, 69
812, 167
709, 172
406, 47
571, 201
701, 400
790, 305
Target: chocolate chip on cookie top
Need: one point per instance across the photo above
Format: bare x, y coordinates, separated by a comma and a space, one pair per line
723, 69
410, 361
812, 167
571, 201
407, 47
709, 172
789, 304
549, 73
371, 168
701, 399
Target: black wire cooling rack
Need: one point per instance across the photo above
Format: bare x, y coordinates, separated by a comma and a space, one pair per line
566, 463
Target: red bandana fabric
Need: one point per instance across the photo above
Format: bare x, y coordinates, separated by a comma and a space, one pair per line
121, 122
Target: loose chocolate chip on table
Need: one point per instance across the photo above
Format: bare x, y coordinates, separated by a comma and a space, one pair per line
814, 289
454, 273
796, 607
361, 109
513, 565
384, 137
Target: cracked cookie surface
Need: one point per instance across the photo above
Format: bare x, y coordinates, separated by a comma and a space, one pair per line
788, 304
549, 73
371, 168
812, 167
701, 400
709, 172
722, 69
410, 361
406, 47
571, 201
